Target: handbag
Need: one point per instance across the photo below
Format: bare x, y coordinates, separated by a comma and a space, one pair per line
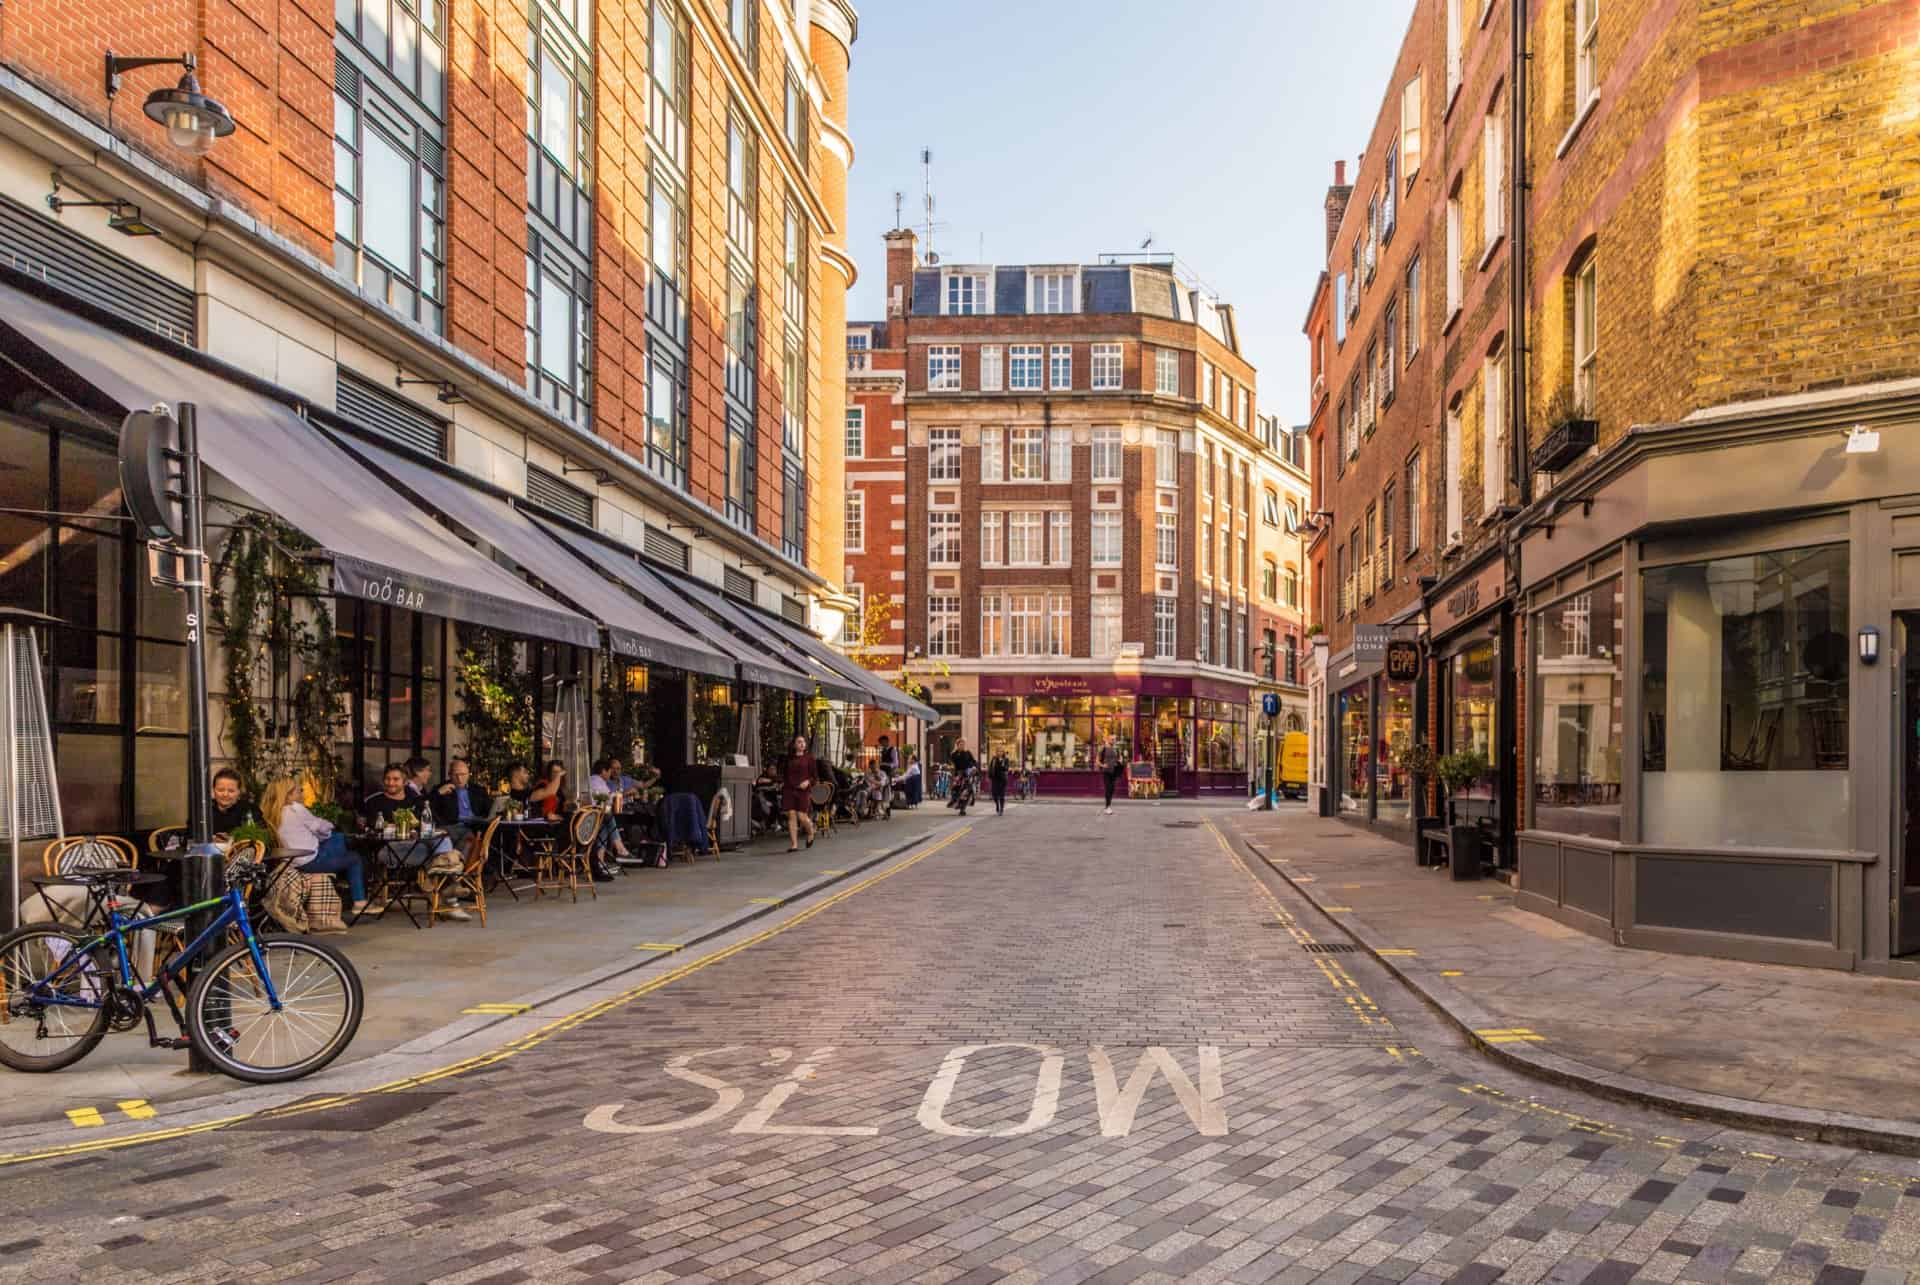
286, 901
323, 905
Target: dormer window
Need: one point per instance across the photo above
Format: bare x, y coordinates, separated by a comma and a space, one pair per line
1053, 291
966, 295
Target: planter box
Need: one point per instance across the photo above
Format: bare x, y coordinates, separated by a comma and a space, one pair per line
1465, 857
1565, 444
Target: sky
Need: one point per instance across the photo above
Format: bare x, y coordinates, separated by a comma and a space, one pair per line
1211, 125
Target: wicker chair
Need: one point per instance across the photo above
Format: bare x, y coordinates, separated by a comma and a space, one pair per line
167, 836
561, 865
471, 881
77, 854
822, 798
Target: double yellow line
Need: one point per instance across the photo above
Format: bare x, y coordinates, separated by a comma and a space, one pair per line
512, 1048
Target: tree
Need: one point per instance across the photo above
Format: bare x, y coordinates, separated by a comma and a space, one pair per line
864, 642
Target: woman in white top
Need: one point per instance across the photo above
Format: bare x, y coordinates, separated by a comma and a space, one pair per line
312, 842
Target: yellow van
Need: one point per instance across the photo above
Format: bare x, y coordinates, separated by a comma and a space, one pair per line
1293, 765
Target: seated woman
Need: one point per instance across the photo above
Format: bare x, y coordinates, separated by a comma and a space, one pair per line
549, 799
913, 782
316, 848
879, 790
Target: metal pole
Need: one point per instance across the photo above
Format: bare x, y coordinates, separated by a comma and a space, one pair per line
200, 869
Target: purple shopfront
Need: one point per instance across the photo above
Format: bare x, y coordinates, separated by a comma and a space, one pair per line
1193, 730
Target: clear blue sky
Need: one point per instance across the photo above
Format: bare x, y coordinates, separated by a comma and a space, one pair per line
1212, 124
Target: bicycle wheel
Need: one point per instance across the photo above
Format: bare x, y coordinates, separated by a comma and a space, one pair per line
37, 1036
233, 1026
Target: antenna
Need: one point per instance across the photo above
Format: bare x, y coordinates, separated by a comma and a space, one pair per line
926, 192
899, 198
1146, 244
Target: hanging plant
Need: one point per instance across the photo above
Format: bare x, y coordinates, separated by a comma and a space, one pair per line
497, 703
274, 620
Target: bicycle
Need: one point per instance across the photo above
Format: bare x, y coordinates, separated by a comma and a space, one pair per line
263, 1010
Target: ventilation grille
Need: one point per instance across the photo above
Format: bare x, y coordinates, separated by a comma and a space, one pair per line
739, 584
61, 257
373, 408
1329, 948
346, 77
556, 496
662, 547
793, 609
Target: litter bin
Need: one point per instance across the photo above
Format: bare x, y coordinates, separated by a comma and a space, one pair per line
1465, 856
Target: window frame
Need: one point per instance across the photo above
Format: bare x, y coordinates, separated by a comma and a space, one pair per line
948, 534
1060, 537
1026, 459
1060, 368
993, 538
1106, 538
943, 625
856, 432
1586, 338
1026, 367
1166, 541
943, 455
943, 368
1110, 442
1053, 291
1106, 367
855, 532
966, 294
1027, 528
1166, 372
992, 368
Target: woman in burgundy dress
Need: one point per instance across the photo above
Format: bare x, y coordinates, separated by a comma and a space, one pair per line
796, 792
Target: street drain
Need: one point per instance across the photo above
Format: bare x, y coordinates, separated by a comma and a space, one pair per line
1329, 948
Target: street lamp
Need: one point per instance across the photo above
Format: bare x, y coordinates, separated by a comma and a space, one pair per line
193, 120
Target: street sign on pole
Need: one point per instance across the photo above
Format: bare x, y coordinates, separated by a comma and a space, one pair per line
1270, 704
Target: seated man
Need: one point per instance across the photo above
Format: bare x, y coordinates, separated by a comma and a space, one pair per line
603, 790
230, 808
459, 804
378, 810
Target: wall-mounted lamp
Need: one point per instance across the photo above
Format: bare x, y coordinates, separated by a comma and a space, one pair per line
444, 391
124, 219
1869, 645
193, 120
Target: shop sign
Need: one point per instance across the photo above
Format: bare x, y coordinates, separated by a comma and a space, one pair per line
1108, 685
1469, 597
1370, 643
1403, 661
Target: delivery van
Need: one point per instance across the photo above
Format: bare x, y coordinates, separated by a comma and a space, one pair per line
1293, 765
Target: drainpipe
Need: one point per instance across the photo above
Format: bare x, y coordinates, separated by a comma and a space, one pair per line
1517, 194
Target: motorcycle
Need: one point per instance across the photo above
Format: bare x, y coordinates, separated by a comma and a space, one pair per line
965, 790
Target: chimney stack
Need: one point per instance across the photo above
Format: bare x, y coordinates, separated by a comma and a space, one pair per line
1337, 197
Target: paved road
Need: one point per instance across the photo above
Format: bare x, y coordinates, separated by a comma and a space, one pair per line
1061, 1047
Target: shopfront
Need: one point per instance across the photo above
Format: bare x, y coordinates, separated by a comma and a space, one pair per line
1194, 730
1471, 633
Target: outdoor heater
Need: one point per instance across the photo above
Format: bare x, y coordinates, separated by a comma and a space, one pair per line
29, 801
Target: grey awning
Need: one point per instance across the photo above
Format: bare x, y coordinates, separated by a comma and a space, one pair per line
383, 548
884, 693
763, 632
756, 664
633, 629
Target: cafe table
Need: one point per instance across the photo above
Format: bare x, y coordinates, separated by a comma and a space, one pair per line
391, 862
515, 844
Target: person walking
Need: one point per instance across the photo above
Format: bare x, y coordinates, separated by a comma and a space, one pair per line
997, 775
796, 792
1111, 766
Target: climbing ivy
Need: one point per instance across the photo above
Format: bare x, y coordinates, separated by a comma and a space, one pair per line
497, 705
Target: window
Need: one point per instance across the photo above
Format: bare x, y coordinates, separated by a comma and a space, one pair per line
1290, 588
1373, 384
559, 108
1293, 517
1269, 651
1373, 234
1243, 406
943, 455
1745, 702
1291, 673
1206, 548
993, 455
1105, 624
1026, 624
992, 529
943, 539
743, 183
1166, 541
1027, 455
793, 508
1454, 251
1389, 368
1052, 292
1024, 536
1166, 457
1270, 507
1269, 580
1386, 535
1413, 501
966, 294
1060, 454
943, 625
1060, 366
1389, 189
1586, 335
1106, 367
559, 330
1107, 449
1105, 539
1240, 561
1493, 433
1060, 538
1340, 309
1239, 638
856, 432
1586, 52
1576, 747
670, 79
1166, 372
856, 521
742, 468
1410, 128
1024, 366
943, 368
990, 371
1206, 383
1452, 477
793, 349
743, 24
1455, 34
795, 117
1203, 641
1493, 177
1416, 309
389, 174
1206, 473
1225, 406
1059, 625
669, 445
1166, 627
993, 641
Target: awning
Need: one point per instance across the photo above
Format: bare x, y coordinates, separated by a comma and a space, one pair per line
762, 631
756, 664
884, 694
633, 629
382, 547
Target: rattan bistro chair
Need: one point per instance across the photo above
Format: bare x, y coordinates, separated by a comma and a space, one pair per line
78, 854
471, 880
562, 865
822, 798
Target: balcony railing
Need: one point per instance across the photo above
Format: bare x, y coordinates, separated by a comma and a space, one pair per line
859, 360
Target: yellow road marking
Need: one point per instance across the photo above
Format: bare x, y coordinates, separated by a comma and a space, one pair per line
508, 1010
835, 872
1396, 952
86, 1117
764, 901
1337, 910
1304, 879
659, 945
513, 1047
136, 1109
1451, 972
1512, 1035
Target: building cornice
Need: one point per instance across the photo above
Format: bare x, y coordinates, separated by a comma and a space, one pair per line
837, 18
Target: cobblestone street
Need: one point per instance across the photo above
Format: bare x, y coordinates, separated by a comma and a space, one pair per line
1061, 1047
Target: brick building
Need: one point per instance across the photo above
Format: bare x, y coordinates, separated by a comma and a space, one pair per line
1083, 501
1701, 628
876, 513
588, 261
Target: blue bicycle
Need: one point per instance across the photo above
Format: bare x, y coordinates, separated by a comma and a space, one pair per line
261, 1009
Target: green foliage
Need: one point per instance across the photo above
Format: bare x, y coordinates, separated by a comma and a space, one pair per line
1417, 759
1460, 770
332, 813
253, 832
625, 715
497, 704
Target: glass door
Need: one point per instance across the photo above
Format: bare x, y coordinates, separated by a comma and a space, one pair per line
1906, 902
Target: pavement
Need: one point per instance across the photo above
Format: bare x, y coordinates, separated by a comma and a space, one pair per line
1806, 1051
1046, 1047
417, 980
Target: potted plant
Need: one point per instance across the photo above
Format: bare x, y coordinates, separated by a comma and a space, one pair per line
405, 822
1570, 432
1417, 760
253, 832
1457, 772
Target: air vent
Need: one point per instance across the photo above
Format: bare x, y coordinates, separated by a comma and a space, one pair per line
662, 547
793, 609
738, 583
368, 406
557, 496
61, 257
346, 77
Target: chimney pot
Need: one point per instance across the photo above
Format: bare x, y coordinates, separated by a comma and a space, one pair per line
1339, 173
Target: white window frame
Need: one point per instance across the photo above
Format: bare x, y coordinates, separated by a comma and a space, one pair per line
1206, 384
1026, 538
993, 638
1456, 35
943, 625
1455, 520
1166, 372
1270, 507
1105, 368
1166, 627
943, 368
1493, 179
992, 547
1269, 580
856, 525
1493, 406
1053, 290
856, 432
1413, 500
1455, 274
1060, 624
1586, 54
943, 532
1106, 540
1026, 454
1109, 454
1060, 537
992, 372
1243, 405
1586, 337
1060, 367
943, 455
1106, 625
851, 625
1203, 641
965, 293
1166, 542
1166, 457
1411, 104
1026, 624
1060, 454
1026, 367
993, 454
1416, 308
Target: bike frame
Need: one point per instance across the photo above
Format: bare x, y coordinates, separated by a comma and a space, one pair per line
233, 910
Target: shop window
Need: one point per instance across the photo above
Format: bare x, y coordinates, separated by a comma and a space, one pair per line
1473, 716
1580, 698
1356, 748
1395, 787
1745, 701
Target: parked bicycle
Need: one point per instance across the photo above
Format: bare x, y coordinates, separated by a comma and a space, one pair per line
261, 1009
